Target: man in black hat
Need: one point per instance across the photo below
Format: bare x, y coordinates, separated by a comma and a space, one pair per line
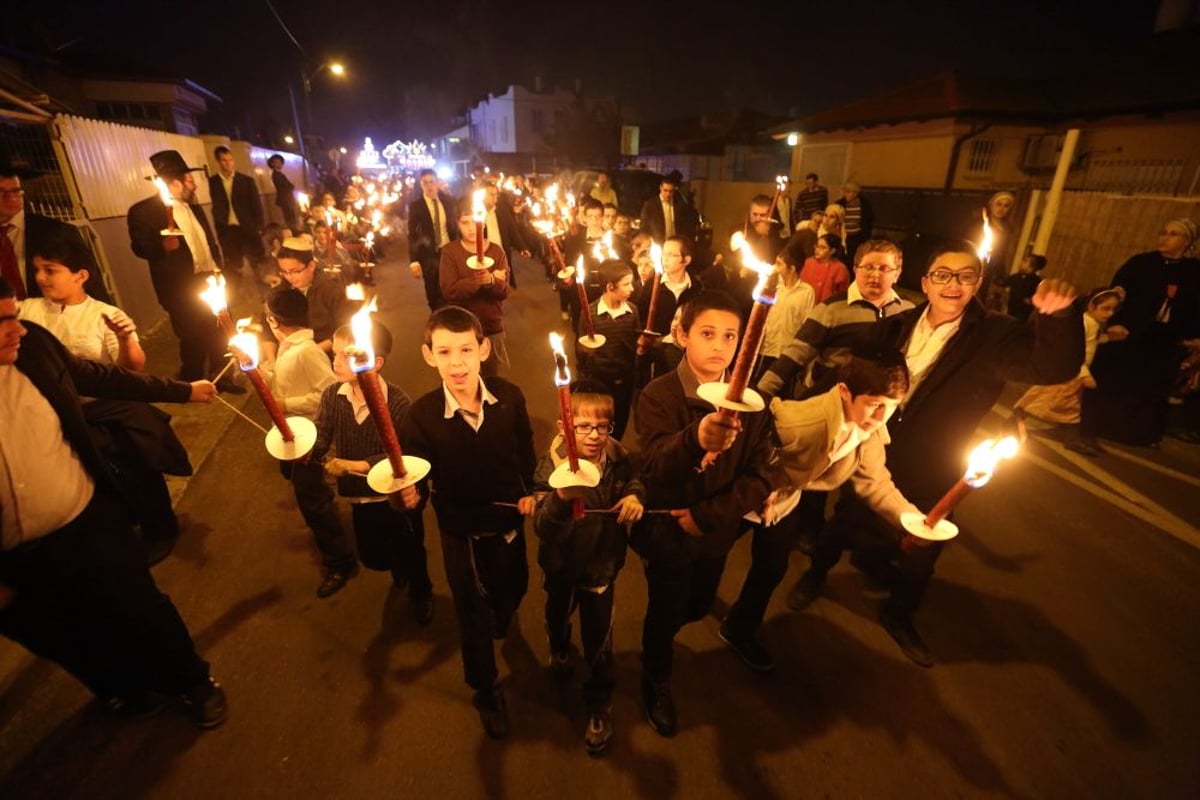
179, 265
23, 230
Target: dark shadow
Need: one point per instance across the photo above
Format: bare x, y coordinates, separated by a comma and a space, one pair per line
234, 616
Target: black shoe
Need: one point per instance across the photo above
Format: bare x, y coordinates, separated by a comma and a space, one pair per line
158, 549
900, 628
135, 705
492, 712
753, 654
599, 733
500, 626
335, 579
806, 590
660, 708
399, 579
228, 386
422, 608
206, 704
561, 665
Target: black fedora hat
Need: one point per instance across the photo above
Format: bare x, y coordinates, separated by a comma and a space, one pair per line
170, 163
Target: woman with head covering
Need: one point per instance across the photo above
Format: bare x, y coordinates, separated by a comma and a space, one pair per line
1136, 371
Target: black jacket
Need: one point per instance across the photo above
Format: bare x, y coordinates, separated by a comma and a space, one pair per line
591, 551
245, 202
422, 239
172, 273
936, 428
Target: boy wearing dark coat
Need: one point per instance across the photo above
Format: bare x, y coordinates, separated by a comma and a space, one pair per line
580, 557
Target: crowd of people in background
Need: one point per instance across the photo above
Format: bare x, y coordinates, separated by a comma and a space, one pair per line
830, 466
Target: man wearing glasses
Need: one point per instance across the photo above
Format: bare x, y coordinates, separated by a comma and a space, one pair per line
959, 357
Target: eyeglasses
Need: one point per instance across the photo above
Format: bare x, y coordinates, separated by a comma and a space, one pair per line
301, 271
872, 269
12, 192
587, 430
967, 277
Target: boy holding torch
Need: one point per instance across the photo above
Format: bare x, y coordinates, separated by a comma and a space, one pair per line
580, 558
479, 441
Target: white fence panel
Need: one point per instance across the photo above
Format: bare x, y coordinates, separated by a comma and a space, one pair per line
111, 163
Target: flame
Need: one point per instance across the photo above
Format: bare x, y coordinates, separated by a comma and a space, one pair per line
750, 261
164, 192
364, 358
580, 271
598, 251
562, 373
984, 458
355, 291
781, 182
656, 257
478, 211
302, 200
984, 251
248, 343
214, 295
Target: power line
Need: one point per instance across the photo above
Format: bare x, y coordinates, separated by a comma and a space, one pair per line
283, 25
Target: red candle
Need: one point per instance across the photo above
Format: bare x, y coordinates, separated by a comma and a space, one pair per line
568, 421
558, 256
644, 340
368, 382
269, 403
949, 500
981, 464
751, 341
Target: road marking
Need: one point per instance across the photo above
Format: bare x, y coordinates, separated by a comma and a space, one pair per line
1148, 464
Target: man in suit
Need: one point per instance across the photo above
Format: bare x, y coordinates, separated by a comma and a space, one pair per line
285, 194
22, 230
179, 265
74, 585
666, 214
237, 214
431, 225
502, 228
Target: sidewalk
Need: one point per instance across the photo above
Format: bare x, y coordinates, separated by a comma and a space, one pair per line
198, 425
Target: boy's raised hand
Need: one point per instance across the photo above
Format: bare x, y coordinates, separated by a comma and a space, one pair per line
527, 505
628, 508
718, 432
119, 323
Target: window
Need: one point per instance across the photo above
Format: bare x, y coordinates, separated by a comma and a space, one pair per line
981, 157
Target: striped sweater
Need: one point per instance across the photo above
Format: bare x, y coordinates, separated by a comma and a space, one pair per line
833, 329
615, 359
337, 429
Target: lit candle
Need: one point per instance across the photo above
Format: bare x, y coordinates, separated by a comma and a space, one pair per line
214, 295
764, 298
562, 380
780, 185
649, 332
169, 202
479, 214
331, 239
248, 344
362, 363
584, 308
981, 465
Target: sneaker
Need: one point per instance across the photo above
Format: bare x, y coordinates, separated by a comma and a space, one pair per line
492, 712
806, 590
206, 704
335, 579
900, 628
753, 654
660, 708
599, 733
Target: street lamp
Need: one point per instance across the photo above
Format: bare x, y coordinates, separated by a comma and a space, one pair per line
335, 68
288, 139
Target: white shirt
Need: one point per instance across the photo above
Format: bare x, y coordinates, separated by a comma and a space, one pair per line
193, 234
359, 403
228, 184
301, 373
16, 235
615, 313
792, 307
79, 327
677, 289
43, 485
439, 228
924, 347
492, 229
453, 407
668, 218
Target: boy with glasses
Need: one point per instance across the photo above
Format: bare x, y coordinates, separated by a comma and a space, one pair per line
580, 558
328, 309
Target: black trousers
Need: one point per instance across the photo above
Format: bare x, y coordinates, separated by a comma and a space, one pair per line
201, 346
393, 540
84, 598
431, 275
769, 553
238, 244
595, 631
680, 591
854, 526
314, 497
488, 578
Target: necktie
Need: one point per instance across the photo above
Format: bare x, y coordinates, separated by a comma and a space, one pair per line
669, 218
8, 262
437, 222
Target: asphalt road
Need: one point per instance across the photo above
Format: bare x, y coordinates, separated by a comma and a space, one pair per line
1064, 621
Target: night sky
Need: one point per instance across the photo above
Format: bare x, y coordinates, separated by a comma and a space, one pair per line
411, 66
